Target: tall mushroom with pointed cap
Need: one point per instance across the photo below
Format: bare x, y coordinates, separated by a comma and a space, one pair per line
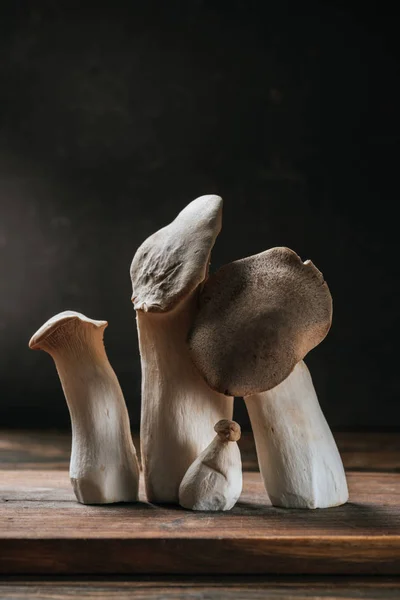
258, 318
179, 410
104, 466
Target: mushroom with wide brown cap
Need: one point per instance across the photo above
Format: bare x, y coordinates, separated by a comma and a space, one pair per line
179, 410
257, 320
103, 467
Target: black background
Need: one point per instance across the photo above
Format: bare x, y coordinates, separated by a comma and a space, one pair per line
112, 119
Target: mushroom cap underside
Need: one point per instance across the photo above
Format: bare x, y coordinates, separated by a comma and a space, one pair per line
172, 262
258, 318
54, 323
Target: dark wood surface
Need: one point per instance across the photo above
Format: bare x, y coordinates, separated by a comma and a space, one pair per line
30, 449
202, 588
44, 530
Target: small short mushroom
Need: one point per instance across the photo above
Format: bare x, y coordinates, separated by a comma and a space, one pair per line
104, 466
258, 318
178, 408
214, 480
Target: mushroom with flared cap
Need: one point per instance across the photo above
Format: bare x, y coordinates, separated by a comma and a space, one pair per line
178, 408
257, 320
103, 466
214, 480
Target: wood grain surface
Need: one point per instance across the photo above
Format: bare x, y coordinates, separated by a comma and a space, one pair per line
30, 449
203, 588
44, 530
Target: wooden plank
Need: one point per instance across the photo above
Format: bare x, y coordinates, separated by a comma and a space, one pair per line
204, 588
44, 530
34, 449
370, 451
30, 449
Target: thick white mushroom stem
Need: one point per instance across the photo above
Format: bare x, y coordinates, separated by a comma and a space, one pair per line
214, 480
297, 454
104, 467
179, 410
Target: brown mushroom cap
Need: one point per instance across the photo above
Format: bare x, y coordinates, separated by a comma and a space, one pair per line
228, 431
59, 320
172, 262
258, 318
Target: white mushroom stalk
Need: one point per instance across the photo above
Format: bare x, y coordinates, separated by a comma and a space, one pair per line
104, 467
179, 410
214, 481
298, 457
257, 320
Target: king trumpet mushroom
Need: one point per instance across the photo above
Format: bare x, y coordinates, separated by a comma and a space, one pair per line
257, 320
179, 410
104, 467
214, 480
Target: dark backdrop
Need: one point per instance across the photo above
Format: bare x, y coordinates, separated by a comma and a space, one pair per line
112, 119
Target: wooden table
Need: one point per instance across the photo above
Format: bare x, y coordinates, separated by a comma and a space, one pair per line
167, 552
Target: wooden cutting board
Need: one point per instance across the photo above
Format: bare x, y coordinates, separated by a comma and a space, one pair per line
43, 530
